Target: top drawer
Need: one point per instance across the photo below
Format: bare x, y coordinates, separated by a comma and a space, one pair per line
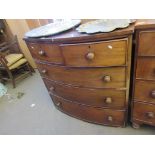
46, 52
106, 53
146, 43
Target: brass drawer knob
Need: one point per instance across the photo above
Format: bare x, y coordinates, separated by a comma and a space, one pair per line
108, 100
110, 119
44, 71
42, 53
90, 56
153, 94
51, 88
150, 115
107, 78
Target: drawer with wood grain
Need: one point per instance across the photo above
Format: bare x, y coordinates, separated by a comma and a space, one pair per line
104, 53
111, 98
144, 113
145, 91
46, 52
145, 68
96, 115
146, 43
85, 77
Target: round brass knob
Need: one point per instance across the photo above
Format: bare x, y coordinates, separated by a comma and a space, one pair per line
150, 114
107, 78
41, 53
110, 119
90, 56
44, 71
108, 100
153, 94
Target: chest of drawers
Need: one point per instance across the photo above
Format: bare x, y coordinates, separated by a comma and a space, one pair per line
143, 102
87, 76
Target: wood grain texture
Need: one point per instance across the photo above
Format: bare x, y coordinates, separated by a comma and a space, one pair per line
92, 78
50, 53
87, 96
145, 68
108, 53
96, 115
146, 46
143, 91
144, 113
85, 77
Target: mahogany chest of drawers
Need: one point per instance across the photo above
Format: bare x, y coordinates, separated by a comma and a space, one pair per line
143, 102
87, 76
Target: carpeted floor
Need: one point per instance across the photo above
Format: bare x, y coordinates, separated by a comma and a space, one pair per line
28, 109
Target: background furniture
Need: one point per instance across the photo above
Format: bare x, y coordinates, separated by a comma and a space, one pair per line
143, 100
87, 76
13, 62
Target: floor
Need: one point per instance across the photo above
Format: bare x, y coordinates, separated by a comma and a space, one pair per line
28, 109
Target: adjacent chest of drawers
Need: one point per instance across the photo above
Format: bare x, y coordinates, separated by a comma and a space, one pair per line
143, 103
87, 76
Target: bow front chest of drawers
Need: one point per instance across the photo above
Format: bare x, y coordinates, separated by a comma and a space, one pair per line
87, 76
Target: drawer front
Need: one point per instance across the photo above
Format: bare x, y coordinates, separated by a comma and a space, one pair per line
145, 91
146, 68
146, 43
46, 52
90, 97
85, 77
112, 53
144, 112
91, 114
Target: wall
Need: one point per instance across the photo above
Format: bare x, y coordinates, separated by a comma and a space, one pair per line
19, 28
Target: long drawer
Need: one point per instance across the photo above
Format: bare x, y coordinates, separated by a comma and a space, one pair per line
104, 53
46, 52
145, 68
145, 91
144, 112
110, 98
85, 77
96, 115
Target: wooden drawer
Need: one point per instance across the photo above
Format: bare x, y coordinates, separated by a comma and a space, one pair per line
46, 52
145, 91
91, 114
90, 97
146, 68
85, 77
144, 112
146, 43
108, 53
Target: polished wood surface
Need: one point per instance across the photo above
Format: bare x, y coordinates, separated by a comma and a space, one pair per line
144, 113
112, 98
143, 99
73, 36
46, 52
108, 53
96, 115
146, 43
144, 91
85, 77
145, 68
